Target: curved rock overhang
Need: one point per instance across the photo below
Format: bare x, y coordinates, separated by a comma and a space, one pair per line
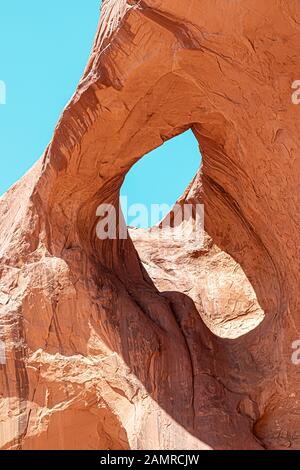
206, 362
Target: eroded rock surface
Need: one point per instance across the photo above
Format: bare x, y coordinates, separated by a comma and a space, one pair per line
97, 352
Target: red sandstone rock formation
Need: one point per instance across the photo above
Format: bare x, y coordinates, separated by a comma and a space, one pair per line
196, 353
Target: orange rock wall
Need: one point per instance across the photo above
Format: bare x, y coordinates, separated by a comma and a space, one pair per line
179, 346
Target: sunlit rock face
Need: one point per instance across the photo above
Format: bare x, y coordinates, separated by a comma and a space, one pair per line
182, 346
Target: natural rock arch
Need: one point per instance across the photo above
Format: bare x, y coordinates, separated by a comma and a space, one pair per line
69, 299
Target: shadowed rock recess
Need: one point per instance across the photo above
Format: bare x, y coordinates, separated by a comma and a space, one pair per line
177, 347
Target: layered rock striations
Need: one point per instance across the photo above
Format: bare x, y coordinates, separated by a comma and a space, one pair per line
178, 346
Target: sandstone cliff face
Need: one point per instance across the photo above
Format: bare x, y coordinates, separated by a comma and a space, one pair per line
185, 347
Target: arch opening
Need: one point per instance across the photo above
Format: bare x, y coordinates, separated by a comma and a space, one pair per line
193, 263
156, 182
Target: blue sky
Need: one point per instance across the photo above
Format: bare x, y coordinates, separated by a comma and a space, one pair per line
162, 175
44, 47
